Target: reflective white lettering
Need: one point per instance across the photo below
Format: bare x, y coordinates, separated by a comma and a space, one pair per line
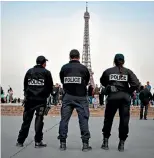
39, 82
118, 77
72, 80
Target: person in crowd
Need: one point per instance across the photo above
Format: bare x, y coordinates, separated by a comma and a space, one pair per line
2, 96
145, 97
60, 94
90, 93
10, 91
96, 92
148, 86
95, 102
55, 94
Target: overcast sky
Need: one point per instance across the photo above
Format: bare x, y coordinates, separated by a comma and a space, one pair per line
52, 29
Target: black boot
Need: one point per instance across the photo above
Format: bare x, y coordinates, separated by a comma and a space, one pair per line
105, 144
62, 146
40, 144
86, 147
19, 144
121, 146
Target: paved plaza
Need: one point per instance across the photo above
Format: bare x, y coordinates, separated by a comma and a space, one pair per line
140, 143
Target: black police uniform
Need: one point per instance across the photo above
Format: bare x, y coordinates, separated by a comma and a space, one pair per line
74, 77
145, 96
38, 85
118, 97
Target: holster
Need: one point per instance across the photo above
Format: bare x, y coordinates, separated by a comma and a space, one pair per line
41, 111
49, 104
44, 110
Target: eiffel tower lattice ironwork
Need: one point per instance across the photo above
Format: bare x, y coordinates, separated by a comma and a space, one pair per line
86, 59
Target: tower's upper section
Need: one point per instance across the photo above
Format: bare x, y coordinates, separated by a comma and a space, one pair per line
86, 14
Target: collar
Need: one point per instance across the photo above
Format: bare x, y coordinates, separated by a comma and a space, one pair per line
74, 61
38, 66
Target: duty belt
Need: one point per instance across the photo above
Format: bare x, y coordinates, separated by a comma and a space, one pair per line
44, 110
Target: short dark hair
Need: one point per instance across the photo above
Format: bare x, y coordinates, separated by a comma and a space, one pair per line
74, 53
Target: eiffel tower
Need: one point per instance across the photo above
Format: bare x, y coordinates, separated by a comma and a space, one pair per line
86, 59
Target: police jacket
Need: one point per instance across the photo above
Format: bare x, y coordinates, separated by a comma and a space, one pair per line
145, 96
75, 78
38, 83
126, 82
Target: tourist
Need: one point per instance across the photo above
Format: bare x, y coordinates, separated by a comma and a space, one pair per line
145, 97
148, 86
90, 93
95, 102
10, 91
96, 92
60, 94
55, 94
2, 96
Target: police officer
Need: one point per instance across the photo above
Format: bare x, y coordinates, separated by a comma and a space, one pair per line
116, 81
145, 96
38, 85
74, 77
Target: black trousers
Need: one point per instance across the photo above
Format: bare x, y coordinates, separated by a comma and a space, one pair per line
82, 107
142, 109
27, 119
101, 99
124, 113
